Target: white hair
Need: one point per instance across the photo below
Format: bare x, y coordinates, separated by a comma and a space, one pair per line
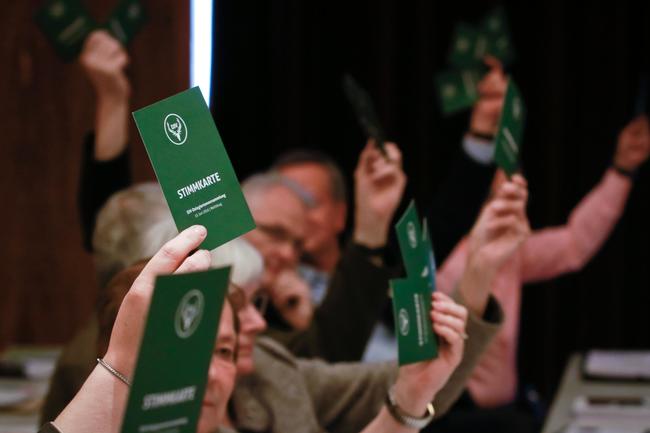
246, 262
132, 225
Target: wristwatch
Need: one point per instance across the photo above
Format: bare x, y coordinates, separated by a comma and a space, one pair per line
405, 419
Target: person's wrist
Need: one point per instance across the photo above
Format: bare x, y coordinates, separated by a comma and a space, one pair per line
626, 170
475, 284
410, 398
113, 100
482, 134
120, 362
371, 238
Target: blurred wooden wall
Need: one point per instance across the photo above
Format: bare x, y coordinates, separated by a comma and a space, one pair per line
47, 283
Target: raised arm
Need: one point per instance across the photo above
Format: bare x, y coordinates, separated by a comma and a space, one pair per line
554, 251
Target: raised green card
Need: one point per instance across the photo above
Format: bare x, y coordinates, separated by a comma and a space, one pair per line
511, 130
469, 46
409, 236
495, 26
66, 23
175, 352
126, 20
458, 89
193, 167
416, 340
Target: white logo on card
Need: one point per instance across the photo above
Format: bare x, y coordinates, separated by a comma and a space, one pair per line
403, 321
410, 231
175, 129
189, 313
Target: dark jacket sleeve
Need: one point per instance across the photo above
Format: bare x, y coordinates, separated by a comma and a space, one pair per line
457, 202
343, 323
49, 428
98, 180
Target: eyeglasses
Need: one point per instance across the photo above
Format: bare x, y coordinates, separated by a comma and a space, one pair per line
281, 235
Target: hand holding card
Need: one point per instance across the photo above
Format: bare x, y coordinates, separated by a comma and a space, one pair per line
420, 381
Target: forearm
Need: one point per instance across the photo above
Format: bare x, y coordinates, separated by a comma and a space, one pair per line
111, 126
98, 407
385, 423
474, 287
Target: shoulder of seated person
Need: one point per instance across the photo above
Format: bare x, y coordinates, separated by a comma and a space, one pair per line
268, 347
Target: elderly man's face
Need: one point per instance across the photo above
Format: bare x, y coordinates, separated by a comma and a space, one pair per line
281, 218
326, 218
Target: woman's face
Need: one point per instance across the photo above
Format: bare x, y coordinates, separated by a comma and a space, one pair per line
251, 323
221, 374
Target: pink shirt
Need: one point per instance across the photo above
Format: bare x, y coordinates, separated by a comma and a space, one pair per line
546, 254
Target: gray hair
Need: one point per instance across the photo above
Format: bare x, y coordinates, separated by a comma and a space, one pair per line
246, 262
312, 156
261, 183
133, 224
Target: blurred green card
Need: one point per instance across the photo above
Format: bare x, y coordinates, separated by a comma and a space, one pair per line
416, 247
126, 20
66, 24
511, 130
193, 168
469, 46
495, 26
429, 272
175, 352
409, 236
413, 327
458, 89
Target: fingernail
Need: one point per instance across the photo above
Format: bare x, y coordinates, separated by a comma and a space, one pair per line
200, 231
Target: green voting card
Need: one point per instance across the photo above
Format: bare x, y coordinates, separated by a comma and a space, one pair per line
175, 352
511, 130
416, 247
193, 167
409, 236
126, 20
413, 327
66, 24
495, 25
429, 272
458, 89
469, 46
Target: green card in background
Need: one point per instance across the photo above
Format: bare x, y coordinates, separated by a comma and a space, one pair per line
193, 167
409, 236
412, 308
126, 20
511, 130
457, 89
469, 46
495, 25
175, 352
66, 24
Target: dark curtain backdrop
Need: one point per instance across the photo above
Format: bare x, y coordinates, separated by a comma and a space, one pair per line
277, 70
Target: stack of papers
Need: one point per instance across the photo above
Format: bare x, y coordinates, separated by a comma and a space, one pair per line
628, 365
